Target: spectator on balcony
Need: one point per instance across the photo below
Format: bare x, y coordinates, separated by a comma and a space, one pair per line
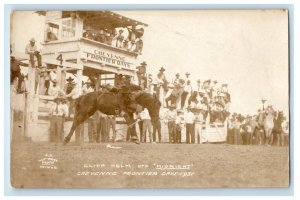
50, 36
119, 39
109, 38
101, 36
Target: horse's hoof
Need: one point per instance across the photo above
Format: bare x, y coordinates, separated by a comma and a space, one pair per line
136, 142
66, 141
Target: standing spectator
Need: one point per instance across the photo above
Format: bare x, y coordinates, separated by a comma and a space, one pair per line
144, 115
111, 123
236, 129
198, 125
72, 96
230, 127
87, 87
57, 113
136, 116
171, 116
70, 85
187, 91
119, 39
177, 78
103, 128
189, 121
92, 128
285, 132
42, 79
141, 72
157, 127
159, 82
179, 126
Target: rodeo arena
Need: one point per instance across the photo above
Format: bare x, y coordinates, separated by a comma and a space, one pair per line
85, 88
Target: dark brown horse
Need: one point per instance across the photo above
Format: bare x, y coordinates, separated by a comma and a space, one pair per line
113, 102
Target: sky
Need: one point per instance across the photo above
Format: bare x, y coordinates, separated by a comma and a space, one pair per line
246, 49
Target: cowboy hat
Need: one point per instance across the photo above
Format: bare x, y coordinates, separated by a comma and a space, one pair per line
177, 74
215, 81
70, 79
198, 81
162, 69
187, 73
224, 84
54, 81
143, 63
32, 40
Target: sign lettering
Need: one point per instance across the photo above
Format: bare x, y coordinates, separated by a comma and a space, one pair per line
109, 58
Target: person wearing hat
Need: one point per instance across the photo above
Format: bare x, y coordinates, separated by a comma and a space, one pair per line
179, 123
108, 38
186, 94
50, 36
189, 124
70, 85
176, 80
15, 72
101, 36
141, 72
31, 50
55, 90
87, 87
171, 117
119, 39
57, 113
159, 81
199, 120
43, 75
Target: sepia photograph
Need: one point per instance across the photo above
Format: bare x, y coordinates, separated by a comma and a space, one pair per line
149, 99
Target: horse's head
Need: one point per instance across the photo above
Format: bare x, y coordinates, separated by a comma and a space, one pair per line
151, 103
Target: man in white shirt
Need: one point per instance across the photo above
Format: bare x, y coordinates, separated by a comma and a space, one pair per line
171, 117
31, 50
145, 117
189, 123
179, 125
57, 113
56, 91
199, 119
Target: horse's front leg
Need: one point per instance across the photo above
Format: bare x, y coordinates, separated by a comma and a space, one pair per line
79, 118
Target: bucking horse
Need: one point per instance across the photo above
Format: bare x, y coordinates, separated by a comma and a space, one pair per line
115, 101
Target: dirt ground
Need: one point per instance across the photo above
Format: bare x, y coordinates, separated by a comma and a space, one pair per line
144, 165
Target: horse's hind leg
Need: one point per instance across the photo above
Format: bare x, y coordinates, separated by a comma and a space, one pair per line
78, 119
